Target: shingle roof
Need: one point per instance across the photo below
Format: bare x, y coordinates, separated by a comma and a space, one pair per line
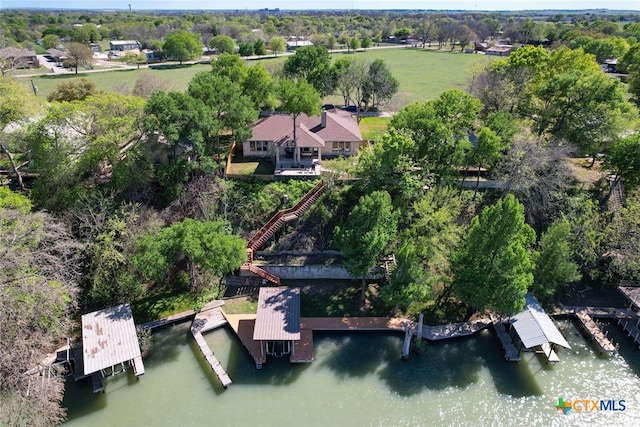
278, 317
309, 131
108, 338
535, 327
16, 52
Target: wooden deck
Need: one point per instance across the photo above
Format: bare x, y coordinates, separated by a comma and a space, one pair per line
510, 352
209, 318
594, 332
352, 324
303, 349
169, 320
243, 324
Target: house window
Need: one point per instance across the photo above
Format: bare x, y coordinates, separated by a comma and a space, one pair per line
341, 146
259, 146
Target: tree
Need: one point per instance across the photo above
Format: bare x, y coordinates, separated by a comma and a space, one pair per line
389, 165
73, 90
493, 267
38, 288
554, 266
440, 129
410, 282
16, 105
623, 160
433, 228
231, 111
259, 47
50, 41
204, 250
79, 145
488, 151
365, 43
134, 58
295, 99
260, 87
182, 45
380, 84
621, 246
368, 230
79, 53
246, 49
354, 44
223, 44
277, 44
148, 84
312, 64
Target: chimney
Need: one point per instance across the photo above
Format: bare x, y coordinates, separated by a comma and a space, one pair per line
323, 120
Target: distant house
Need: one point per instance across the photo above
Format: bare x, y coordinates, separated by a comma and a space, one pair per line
333, 134
17, 57
152, 55
498, 50
294, 43
124, 45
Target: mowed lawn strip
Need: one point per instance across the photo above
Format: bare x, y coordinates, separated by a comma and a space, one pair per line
423, 74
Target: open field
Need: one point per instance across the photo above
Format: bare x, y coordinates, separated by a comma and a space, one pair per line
372, 128
111, 80
423, 73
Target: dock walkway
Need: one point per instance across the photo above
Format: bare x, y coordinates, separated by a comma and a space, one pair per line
594, 331
243, 325
209, 318
510, 352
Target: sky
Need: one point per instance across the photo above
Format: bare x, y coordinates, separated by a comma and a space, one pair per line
323, 4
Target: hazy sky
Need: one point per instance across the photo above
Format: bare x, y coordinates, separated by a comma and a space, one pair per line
324, 4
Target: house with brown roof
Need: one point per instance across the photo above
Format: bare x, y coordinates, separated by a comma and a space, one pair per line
13, 57
332, 134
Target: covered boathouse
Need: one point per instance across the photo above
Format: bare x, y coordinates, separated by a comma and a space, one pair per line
277, 324
110, 344
536, 329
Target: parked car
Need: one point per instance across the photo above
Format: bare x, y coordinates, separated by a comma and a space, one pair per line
350, 108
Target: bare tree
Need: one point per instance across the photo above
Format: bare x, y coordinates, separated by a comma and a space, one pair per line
79, 53
148, 84
38, 285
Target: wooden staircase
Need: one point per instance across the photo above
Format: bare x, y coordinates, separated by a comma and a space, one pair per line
282, 217
269, 229
263, 274
390, 264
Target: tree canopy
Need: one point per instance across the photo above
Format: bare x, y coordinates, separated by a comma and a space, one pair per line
182, 45
367, 232
493, 269
202, 250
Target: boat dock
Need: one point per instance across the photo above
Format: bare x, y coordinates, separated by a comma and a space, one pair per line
593, 330
209, 318
510, 352
169, 320
631, 325
243, 325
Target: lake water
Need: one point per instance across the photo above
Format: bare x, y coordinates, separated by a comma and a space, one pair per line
359, 380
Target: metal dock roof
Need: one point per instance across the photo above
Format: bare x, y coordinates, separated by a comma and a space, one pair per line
535, 327
278, 317
108, 338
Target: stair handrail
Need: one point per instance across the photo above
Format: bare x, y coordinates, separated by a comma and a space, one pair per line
260, 272
267, 228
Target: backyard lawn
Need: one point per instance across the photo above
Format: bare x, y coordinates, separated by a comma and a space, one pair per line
422, 73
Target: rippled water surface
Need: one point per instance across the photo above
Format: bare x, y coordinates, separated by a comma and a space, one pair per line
359, 380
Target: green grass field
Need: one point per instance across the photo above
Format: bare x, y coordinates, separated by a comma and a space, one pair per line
423, 73
111, 80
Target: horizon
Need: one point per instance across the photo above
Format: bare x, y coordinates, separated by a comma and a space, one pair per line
327, 5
